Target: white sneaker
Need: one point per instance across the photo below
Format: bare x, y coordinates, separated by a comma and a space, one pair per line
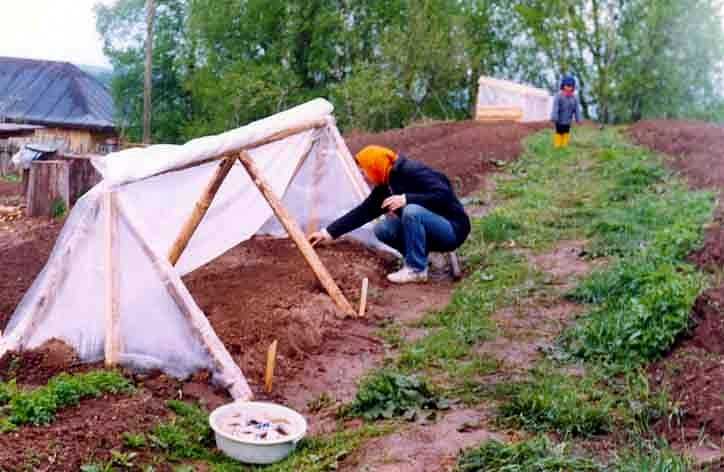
407, 275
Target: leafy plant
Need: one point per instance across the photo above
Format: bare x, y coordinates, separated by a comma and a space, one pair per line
58, 208
534, 455
134, 441
40, 405
386, 394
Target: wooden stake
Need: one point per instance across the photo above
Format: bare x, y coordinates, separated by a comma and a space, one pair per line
198, 323
297, 236
199, 211
112, 276
363, 297
316, 193
271, 362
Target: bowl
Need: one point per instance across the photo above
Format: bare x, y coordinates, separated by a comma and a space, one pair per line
250, 449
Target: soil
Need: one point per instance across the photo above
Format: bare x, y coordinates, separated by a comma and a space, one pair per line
464, 151
257, 292
693, 373
9, 189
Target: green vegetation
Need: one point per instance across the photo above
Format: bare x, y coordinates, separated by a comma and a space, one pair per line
58, 208
188, 437
534, 455
568, 405
386, 394
219, 64
39, 406
12, 178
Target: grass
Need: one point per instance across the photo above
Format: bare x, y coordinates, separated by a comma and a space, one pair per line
620, 199
538, 454
567, 405
39, 406
187, 437
12, 178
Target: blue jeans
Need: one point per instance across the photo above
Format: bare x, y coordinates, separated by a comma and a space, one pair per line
417, 233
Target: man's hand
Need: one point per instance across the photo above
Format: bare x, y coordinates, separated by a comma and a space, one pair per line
394, 203
319, 236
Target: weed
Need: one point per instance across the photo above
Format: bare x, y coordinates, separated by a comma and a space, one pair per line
391, 334
134, 441
324, 400
188, 437
554, 402
386, 394
58, 208
40, 405
534, 455
12, 178
650, 457
644, 305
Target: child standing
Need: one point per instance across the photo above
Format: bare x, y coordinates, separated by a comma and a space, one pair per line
566, 107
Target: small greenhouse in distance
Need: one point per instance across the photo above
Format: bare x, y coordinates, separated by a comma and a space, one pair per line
502, 100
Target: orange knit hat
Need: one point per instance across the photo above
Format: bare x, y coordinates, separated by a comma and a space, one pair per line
376, 162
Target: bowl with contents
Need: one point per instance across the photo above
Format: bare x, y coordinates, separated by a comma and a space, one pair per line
257, 432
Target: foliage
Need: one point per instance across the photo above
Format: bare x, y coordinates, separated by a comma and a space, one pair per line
534, 455
653, 458
58, 208
386, 394
565, 404
188, 437
40, 405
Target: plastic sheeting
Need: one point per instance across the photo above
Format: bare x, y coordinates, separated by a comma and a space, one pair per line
161, 328
503, 100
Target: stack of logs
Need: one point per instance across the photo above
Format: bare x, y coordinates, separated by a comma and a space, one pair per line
8, 214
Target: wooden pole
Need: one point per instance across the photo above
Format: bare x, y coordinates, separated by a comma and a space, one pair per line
112, 276
199, 211
363, 297
148, 72
198, 323
297, 236
271, 362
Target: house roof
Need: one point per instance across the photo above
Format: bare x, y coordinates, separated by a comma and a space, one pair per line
54, 94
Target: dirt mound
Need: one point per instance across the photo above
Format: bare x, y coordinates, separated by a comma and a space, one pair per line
694, 380
695, 146
277, 297
21, 263
36, 366
693, 374
464, 151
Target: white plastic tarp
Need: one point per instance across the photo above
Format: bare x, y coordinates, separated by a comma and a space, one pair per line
535, 104
311, 169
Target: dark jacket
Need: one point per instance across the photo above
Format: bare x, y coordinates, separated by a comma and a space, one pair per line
565, 109
422, 186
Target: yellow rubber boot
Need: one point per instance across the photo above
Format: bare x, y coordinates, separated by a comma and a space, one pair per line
557, 140
566, 139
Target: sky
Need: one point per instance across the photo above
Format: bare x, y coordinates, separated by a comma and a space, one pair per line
59, 30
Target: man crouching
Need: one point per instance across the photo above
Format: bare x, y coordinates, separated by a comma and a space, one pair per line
423, 214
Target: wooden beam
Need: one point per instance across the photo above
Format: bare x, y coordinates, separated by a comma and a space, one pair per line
198, 323
199, 211
315, 192
297, 236
112, 280
259, 143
